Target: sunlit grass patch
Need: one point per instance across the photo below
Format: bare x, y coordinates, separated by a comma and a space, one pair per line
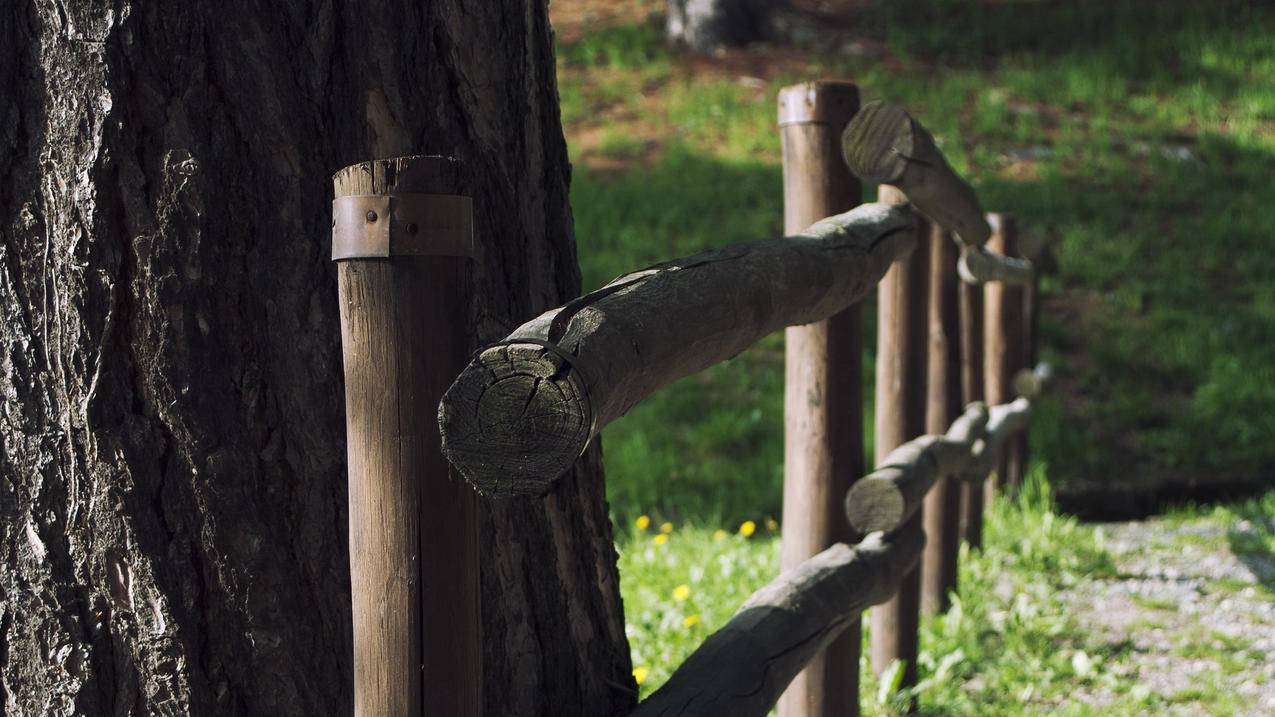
681, 585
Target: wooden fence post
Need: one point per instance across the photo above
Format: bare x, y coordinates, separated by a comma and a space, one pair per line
971, 298
1003, 324
400, 236
900, 416
823, 385
943, 502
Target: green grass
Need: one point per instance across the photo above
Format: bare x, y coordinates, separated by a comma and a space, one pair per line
1138, 138
1008, 646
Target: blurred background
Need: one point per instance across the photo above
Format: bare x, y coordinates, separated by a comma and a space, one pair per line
1135, 138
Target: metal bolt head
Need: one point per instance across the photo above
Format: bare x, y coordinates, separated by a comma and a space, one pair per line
371, 217
411, 228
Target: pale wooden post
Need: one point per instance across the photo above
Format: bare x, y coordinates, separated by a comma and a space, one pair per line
971, 298
900, 416
823, 391
401, 237
1003, 325
943, 503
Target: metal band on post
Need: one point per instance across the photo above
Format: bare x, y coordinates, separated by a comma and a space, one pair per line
369, 226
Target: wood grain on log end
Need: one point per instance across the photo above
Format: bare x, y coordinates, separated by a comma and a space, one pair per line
875, 502
515, 419
877, 142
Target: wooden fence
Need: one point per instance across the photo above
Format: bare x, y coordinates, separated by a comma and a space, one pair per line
523, 410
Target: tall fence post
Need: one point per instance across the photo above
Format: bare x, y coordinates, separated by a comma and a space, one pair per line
971, 307
1003, 324
401, 235
943, 503
900, 416
823, 385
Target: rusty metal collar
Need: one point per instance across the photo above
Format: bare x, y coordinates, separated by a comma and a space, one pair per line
386, 225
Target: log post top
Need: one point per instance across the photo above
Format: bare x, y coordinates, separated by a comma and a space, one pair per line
827, 102
883, 144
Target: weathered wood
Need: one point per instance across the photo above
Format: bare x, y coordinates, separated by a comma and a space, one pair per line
1003, 325
971, 306
525, 408
883, 144
891, 494
413, 521
943, 384
900, 416
1004, 423
823, 386
740, 670
175, 527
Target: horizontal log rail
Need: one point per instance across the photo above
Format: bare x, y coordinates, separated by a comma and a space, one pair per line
887, 497
741, 669
524, 409
883, 144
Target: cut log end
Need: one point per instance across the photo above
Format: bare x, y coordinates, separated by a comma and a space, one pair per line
877, 142
979, 266
515, 420
875, 503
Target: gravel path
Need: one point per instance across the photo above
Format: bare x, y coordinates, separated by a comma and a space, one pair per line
1191, 613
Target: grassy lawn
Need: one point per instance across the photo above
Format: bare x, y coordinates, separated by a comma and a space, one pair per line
1137, 138
1021, 638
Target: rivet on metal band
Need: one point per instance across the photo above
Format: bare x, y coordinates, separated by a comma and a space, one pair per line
381, 226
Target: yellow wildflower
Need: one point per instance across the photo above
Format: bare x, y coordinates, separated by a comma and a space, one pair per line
660, 539
639, 674
747, 528
719, 535
666, 527
643, 522
772, 525
681, 592
690, 621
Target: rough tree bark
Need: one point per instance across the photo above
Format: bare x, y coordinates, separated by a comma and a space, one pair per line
172, 487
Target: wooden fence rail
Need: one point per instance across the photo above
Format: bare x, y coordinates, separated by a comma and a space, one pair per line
522, 411
524, 408
742, 668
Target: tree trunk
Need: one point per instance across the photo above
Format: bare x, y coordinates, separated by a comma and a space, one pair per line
172, 481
